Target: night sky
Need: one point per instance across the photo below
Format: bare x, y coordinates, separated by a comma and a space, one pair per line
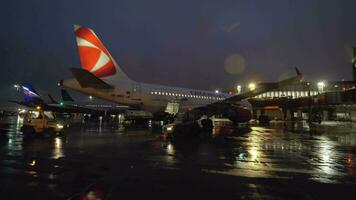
204, 44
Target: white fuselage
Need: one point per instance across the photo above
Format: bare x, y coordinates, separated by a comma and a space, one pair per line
151, 97
100, 70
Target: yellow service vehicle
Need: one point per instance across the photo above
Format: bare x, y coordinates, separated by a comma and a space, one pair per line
39, 122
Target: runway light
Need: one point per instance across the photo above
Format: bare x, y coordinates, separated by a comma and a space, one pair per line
252, 86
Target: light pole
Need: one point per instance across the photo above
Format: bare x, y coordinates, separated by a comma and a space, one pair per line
252, 86
321, 86
309, 104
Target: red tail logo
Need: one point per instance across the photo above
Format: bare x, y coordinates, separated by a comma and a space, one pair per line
94, 57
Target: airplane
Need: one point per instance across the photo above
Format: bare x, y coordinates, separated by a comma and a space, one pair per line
32, 99
68, 105
101, 76
102, 106
105, 108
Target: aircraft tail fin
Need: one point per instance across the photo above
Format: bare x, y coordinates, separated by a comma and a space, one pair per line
298, 72
95, 58
30, 94
52, 99
66, 96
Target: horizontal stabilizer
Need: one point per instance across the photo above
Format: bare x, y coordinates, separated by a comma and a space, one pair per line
89, 80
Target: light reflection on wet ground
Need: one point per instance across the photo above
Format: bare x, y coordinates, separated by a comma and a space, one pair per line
277, 153
251, 164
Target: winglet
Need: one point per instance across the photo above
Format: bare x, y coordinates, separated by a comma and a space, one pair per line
298, 72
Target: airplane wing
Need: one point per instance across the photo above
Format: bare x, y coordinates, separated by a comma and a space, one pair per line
32, 99
22, 103
69, 109
235, 112
266, 87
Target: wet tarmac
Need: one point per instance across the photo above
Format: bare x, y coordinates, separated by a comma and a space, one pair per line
275, 162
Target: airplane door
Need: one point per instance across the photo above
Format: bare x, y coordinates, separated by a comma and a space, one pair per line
136, 92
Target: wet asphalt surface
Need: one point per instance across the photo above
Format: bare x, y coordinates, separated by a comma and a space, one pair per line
275, 162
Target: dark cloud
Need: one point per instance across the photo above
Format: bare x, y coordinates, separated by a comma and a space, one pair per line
178, 41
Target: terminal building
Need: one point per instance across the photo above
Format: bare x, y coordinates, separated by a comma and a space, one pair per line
329, 100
